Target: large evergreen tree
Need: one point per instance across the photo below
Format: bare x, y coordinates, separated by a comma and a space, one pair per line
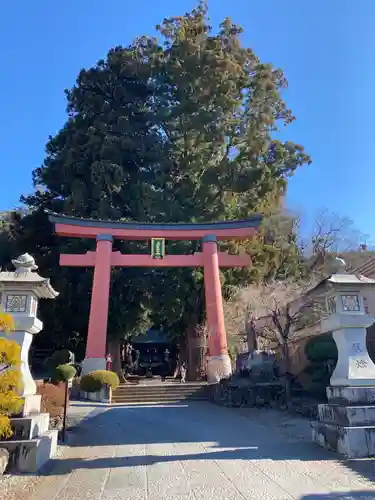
179, 131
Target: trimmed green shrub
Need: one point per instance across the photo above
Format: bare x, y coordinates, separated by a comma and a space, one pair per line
63, 373
321, 349
58, 358
95, 381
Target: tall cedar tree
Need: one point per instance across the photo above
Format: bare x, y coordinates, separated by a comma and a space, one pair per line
179, 131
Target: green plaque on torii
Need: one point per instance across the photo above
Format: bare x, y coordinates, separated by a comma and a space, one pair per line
158, 248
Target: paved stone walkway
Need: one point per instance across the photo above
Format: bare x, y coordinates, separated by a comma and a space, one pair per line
195, 452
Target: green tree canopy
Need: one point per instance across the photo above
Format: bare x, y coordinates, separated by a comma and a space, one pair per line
178, 129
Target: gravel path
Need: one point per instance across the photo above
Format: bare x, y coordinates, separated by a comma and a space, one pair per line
198, 451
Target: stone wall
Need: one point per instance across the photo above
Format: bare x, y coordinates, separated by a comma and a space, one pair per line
103, 396
244, 394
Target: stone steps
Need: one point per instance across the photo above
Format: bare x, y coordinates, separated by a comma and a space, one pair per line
163, 393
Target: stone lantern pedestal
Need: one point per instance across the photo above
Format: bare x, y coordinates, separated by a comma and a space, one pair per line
347, 422
32, 443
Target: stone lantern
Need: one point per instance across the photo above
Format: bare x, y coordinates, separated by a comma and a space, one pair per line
20, 292
347, 320
346, 423
32, 443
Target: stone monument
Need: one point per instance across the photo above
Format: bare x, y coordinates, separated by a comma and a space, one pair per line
347, 422
32, 443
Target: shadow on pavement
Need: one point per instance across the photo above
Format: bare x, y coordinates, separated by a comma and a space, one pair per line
349, 495
214, 426
69, 465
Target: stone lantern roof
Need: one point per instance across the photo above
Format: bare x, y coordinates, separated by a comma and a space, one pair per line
341, 281
25, 278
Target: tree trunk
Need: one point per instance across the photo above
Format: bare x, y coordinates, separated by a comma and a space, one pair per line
196, 347
114, 350
251, 336
287, 379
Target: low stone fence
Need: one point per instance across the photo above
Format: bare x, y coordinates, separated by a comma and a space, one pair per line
245, 394
242, 393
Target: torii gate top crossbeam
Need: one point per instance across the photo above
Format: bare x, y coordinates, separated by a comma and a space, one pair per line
90, 228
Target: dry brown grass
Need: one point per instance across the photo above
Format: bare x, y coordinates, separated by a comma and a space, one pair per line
52, 399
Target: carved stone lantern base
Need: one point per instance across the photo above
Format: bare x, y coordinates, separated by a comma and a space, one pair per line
347, 423
354, 366
24, 340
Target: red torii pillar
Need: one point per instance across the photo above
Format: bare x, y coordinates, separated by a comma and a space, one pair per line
98, 319
219, 364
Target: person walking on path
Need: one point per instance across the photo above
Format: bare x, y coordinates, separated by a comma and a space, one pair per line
183, 373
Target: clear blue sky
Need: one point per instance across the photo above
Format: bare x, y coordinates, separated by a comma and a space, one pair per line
325, 47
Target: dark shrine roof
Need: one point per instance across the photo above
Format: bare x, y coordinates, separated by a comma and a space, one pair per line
151, 337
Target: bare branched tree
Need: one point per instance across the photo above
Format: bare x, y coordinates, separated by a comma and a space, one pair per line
279, 310
330, 236
270, 312
297, 264
235, 314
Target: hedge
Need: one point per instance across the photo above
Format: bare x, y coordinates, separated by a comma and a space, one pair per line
63, 373
95, 381
321, 348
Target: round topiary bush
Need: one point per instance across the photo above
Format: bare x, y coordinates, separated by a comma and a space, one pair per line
95, 381
58, 358
63, 373
321, 348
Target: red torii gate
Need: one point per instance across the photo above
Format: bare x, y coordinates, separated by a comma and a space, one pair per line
104, 258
